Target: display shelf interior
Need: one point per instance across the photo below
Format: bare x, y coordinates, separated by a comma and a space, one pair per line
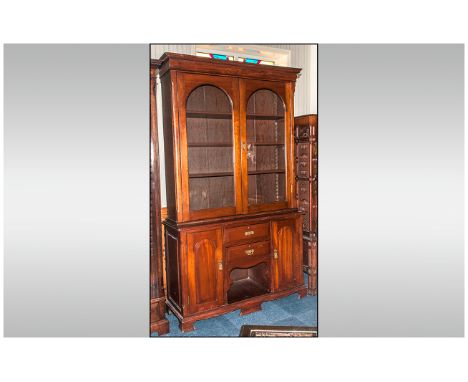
210, 174
265, 116
210, 149
266, 143
244, 289
257, 172
211, 192
248, 283
208, 114
221, 115
209, 144
265, 148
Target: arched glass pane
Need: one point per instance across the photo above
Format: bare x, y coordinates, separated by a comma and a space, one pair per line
210, 149
266, 148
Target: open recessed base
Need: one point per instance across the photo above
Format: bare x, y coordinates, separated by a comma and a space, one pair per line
244, 289
248, 283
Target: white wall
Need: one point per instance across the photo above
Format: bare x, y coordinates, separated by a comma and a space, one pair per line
156, 53
157, 50
305, 99
305, 57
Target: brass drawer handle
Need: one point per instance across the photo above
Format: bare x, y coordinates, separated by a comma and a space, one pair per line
249, 252
248, 233
220, 266
275, 254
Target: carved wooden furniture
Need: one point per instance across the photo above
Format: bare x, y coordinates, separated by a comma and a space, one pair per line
306, 136
158, 321
233, 235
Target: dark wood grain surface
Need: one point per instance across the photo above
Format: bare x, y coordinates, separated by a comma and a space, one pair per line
306, 136
158, 321
233, 233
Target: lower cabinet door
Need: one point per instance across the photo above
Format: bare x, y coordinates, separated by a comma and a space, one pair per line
204, 270
286, 263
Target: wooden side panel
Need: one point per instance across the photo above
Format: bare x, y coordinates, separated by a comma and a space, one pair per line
163, 245
306, 135
306, 254
167, 105
313, 269
156, 284
290, 145
158, 321
286, 254
173, 267
204, 270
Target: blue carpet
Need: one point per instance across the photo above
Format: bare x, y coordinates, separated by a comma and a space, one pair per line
287, 311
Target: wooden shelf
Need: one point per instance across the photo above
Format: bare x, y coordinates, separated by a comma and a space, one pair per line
210, 144
228, 115
208, 114
265, 144
265, 116
244, 289
211, 174
256, 172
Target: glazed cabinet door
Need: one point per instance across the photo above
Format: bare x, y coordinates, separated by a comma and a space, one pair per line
204, 270
267, 145
208, 108
287, 253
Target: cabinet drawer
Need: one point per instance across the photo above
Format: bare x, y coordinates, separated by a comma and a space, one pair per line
247, 252
306, 254
310, 256
306, 131
303, 167
303, 132
304, 197
303, 160
306, 160
307, 199
304, 150
313, 218
310, 216
303, 189
252, 232
304, 206
314, 168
